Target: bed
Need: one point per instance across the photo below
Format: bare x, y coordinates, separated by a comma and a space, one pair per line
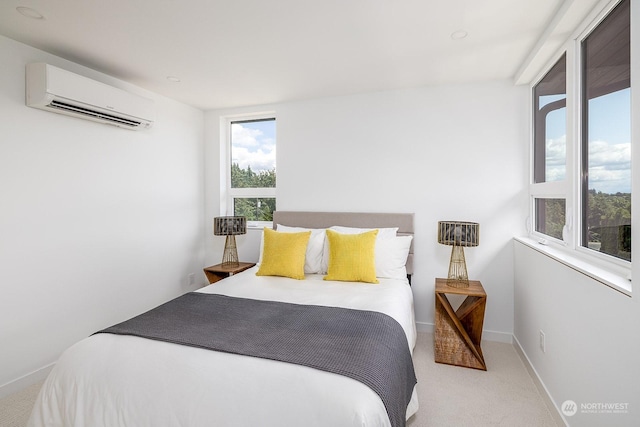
115, 378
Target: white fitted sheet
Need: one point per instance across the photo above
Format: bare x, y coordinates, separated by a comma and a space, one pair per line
112, 380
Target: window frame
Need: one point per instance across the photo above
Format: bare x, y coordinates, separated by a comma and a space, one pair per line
570, 189
553, 189
228, 194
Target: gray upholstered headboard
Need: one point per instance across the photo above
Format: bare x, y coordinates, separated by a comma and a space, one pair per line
404, 222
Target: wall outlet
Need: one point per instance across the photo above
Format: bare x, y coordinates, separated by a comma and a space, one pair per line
542, 343
191, 279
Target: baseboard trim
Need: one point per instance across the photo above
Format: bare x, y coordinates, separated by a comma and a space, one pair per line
486, 334
542, 389
25, 381
425, 327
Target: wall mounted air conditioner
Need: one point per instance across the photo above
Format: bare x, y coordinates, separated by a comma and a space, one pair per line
60, 91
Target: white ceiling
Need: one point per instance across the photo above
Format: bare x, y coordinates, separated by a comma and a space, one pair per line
250, 52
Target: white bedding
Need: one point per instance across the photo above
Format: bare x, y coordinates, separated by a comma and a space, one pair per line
112, 380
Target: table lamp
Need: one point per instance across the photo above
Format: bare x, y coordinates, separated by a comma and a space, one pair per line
230, 226
458, 234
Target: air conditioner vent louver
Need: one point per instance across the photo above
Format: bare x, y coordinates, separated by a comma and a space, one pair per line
96, 114
59, 91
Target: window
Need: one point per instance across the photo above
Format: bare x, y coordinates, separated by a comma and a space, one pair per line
581, 156
550, 151
252, 168
606, 136
550, 217
550, 131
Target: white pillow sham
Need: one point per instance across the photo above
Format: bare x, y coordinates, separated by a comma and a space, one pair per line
391, 257
383, 233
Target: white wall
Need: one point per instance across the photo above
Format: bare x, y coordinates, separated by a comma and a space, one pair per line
591, 337
444, 153
97, 223
592, 332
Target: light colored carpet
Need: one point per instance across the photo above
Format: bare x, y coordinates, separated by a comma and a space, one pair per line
16, 408
504, 395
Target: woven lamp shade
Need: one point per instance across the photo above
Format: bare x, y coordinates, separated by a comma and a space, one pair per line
230, 226
458, 234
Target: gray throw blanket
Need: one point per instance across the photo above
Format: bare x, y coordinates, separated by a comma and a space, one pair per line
367, 346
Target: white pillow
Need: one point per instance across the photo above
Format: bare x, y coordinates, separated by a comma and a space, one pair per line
261, 247
313, 257
391, 257
383, 234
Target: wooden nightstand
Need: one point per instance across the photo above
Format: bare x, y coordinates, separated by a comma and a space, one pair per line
458, 333
218, 272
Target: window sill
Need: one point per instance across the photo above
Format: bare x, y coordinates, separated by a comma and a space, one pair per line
259, 225
609, 278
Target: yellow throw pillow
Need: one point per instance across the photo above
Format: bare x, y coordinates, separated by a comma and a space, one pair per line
283, 254
352, 257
